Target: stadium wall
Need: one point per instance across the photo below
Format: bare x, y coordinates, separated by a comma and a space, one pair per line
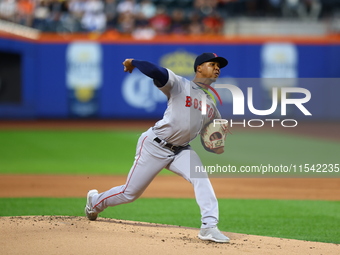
84, 78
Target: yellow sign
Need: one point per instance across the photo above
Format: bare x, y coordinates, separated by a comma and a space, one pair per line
180, 62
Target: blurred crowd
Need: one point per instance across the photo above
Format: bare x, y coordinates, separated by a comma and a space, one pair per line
146, 18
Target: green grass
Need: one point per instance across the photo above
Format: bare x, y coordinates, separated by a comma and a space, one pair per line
67, 152
274, 149
112, 152
304, 220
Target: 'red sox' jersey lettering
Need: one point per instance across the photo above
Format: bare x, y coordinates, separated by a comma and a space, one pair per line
197, 104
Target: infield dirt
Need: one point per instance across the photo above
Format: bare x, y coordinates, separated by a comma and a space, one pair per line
76, 235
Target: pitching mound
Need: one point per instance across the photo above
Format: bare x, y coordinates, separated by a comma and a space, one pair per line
76, 235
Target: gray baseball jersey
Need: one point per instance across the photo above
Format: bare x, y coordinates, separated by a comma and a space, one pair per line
183, 119
181, 123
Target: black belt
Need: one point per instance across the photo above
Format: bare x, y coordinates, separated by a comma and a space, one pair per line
173, 148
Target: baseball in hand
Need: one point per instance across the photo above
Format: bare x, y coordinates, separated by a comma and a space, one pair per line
128, 67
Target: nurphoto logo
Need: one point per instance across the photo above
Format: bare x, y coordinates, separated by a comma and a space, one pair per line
239, 105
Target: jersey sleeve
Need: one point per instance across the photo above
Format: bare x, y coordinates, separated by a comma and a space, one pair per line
159, 74
174, 85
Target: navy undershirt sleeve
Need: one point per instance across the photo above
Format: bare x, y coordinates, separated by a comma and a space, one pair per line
159, 74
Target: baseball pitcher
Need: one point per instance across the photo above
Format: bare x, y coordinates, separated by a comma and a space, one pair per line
166, 144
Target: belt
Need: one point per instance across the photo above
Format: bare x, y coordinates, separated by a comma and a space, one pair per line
173, 148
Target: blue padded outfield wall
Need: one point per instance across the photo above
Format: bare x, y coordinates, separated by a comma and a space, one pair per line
86, 79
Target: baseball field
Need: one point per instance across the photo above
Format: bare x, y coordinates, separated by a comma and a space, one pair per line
47, 167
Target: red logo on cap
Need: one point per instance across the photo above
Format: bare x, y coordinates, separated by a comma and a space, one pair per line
215, 54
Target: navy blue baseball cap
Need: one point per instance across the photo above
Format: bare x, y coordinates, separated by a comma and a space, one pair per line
210, 57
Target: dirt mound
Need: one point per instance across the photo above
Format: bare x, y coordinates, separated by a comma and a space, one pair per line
76, 235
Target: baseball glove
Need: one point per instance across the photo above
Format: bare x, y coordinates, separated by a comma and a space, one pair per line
213, 137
